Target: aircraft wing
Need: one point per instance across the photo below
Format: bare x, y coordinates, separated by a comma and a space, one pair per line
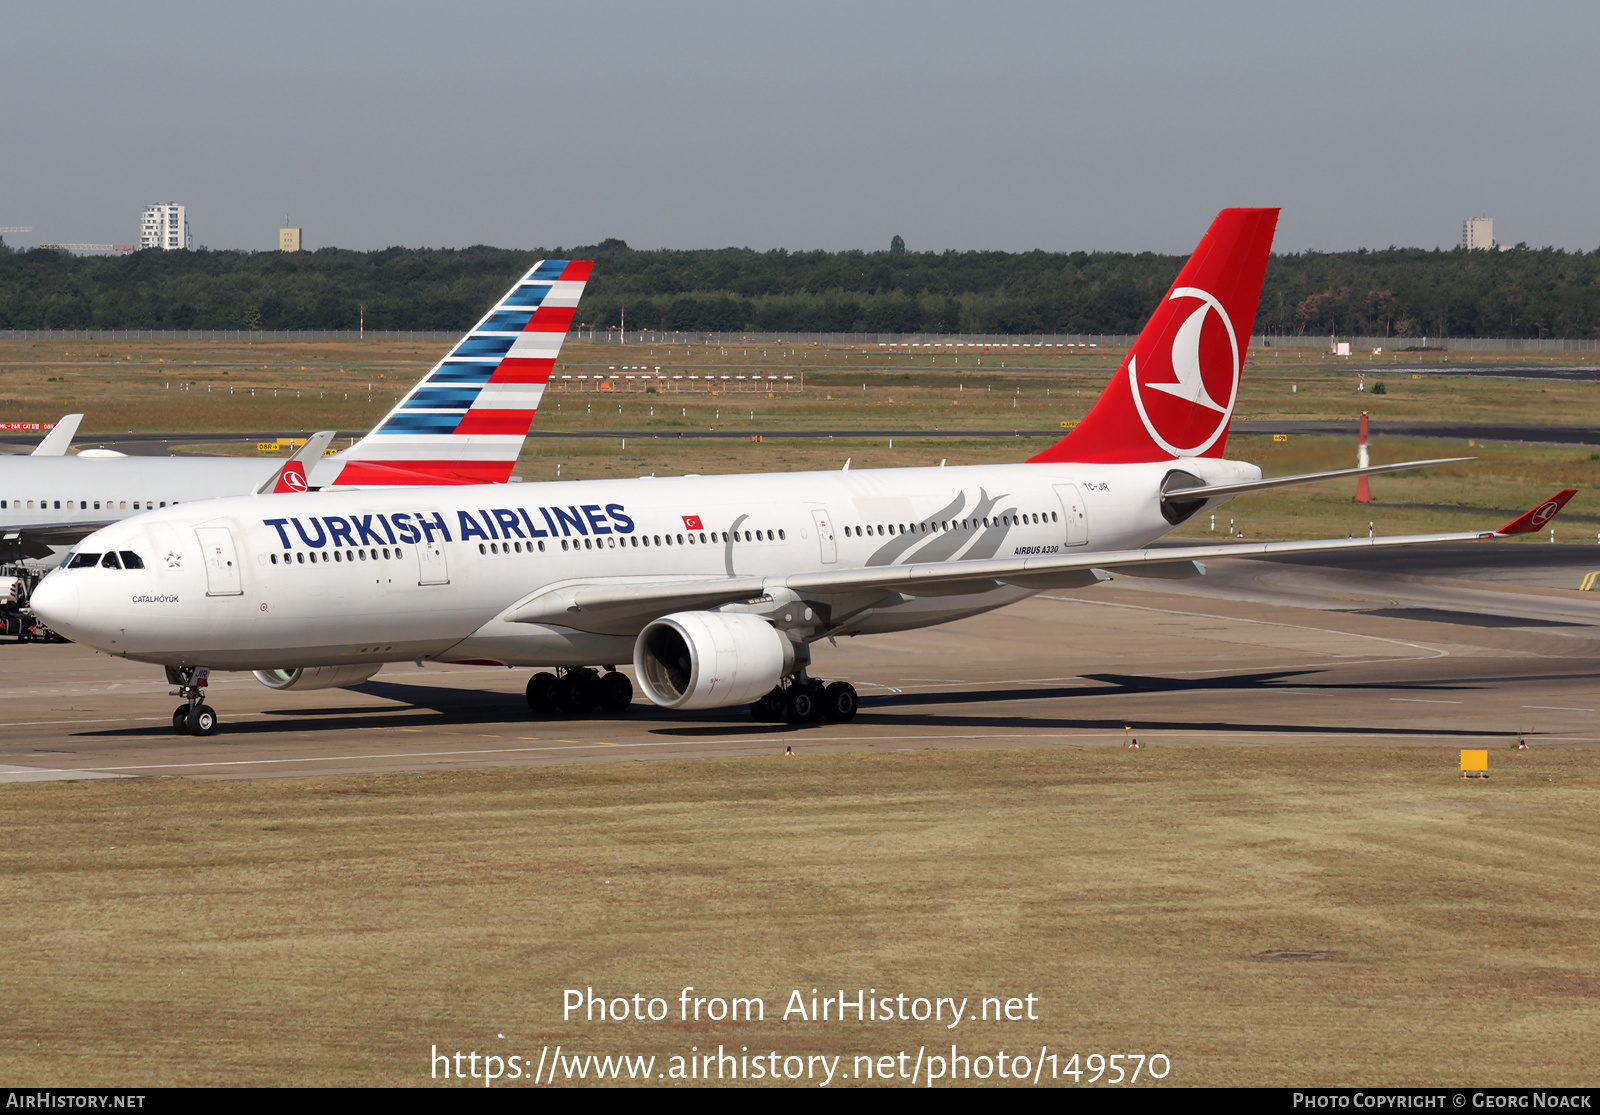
626, 606
37, 540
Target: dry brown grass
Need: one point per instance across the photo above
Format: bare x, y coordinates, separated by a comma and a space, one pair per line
330, 931
134, 386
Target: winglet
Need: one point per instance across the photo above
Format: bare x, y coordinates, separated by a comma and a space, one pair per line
292, 476
1532, 520
55, 443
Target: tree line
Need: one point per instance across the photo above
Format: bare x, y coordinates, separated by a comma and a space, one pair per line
1395, 292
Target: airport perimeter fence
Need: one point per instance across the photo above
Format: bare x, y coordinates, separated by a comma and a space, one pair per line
1358, 345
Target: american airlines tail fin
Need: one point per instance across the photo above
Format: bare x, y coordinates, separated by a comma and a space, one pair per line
1174, 394
466, 421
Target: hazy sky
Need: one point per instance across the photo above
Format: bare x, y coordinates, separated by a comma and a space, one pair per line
816, 124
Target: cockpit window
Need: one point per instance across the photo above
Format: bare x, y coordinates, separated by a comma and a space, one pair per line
84, 561
110, 562
131, 560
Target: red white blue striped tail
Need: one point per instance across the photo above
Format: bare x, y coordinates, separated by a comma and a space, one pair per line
466, 421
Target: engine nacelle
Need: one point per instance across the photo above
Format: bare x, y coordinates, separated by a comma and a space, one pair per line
317, 677
691, 660
12, 591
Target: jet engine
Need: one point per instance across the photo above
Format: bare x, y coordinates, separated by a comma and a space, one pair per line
692, 660
317, 677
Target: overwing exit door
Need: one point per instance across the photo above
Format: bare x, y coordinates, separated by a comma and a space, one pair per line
1073, 514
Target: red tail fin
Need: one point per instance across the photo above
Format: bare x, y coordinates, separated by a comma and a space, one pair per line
1174, 394
291, 478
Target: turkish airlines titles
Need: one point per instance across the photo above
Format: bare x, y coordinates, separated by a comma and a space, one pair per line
497, 523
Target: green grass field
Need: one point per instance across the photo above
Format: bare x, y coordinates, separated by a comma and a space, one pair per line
1261, 916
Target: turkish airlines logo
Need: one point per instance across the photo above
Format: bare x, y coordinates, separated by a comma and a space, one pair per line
293, 479
1186, 405
1545, 512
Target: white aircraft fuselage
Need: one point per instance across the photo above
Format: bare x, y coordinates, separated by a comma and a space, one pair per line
345, 578
63, 491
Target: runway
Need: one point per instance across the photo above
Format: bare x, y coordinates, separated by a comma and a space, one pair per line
1468, 646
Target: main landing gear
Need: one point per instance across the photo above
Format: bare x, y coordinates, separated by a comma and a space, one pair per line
579, 691
805, 700
194, 717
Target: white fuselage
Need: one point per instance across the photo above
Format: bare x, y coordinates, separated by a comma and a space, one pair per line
40, 494
342, 578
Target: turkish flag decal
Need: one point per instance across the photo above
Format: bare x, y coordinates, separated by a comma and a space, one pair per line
692, 522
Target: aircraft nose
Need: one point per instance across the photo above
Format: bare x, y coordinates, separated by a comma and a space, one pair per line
56, 601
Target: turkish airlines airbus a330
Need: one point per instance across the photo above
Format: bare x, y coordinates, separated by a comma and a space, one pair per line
714, 587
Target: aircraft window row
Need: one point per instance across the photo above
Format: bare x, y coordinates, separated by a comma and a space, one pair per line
116, 559
299, 557
506, 547
83, 504
937, 525
691, 538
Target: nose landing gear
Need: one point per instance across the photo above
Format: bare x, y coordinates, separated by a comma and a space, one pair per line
194, 717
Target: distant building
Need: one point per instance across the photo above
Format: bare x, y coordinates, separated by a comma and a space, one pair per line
288, 240
165, 227
1477, 233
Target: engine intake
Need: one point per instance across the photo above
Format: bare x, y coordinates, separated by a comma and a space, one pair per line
693, 660
317, 677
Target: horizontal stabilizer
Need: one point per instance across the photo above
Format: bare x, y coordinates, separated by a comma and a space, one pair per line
1214, 491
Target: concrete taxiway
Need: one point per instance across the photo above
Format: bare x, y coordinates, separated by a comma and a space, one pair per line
1456, 646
